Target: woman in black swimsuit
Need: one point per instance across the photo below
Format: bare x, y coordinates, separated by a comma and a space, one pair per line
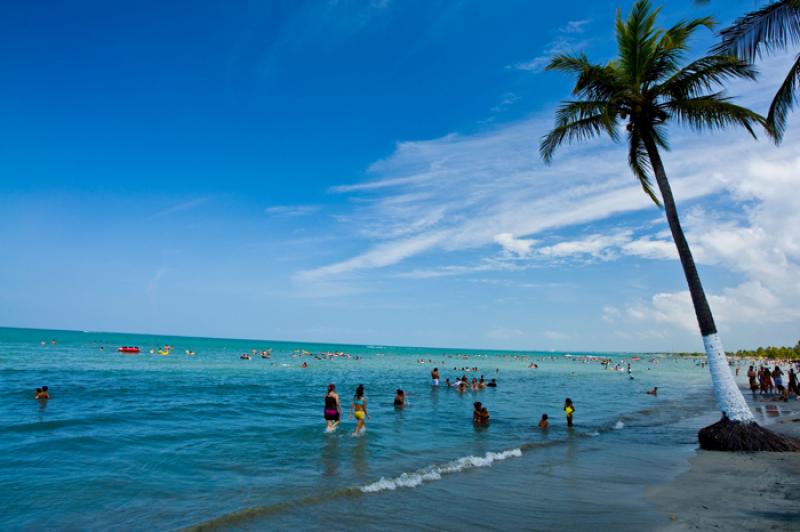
333, 410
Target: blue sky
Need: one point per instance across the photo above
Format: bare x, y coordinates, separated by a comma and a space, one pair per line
365, 171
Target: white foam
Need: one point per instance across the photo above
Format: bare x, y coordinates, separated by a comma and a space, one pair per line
619, 425
432, 473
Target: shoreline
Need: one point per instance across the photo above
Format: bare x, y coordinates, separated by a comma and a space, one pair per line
756, 491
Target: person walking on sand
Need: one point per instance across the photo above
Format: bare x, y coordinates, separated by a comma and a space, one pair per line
333, 409
569, 409
359, 410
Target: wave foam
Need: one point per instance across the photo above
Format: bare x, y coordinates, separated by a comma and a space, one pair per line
619, 425
430, 474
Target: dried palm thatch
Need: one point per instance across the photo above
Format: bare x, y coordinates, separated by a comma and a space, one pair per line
727, 435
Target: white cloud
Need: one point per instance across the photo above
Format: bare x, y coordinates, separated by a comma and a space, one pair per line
516, 246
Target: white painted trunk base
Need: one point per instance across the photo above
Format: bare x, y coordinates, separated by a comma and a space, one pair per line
729, 399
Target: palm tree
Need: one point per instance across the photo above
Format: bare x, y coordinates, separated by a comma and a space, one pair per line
772, 28
646, 88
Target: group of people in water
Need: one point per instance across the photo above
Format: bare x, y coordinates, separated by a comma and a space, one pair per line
333, 412
333, 409
770, 382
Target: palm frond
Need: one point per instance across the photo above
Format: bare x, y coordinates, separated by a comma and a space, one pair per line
640, 164
593, 81
637, 40
773, 27
705, 74
784, 100
672, 47
574, 130
714, 111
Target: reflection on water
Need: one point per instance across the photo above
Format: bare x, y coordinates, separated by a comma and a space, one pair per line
360, 458
329, 454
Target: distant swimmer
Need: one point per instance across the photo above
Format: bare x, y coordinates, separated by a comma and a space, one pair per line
400, 399
448, 383
435, 377
492, 383
333, 409
42, 393
244, 356
304, 365
359, 410
569, 409
654, 391
544, 423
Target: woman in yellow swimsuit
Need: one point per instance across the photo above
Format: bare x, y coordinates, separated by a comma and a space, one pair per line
359, 409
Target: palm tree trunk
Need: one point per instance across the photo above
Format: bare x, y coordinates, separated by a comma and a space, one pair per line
729, 398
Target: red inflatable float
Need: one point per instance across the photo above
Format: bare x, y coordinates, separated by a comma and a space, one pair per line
128, 349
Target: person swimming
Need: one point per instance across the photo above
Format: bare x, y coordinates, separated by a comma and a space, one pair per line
569, 409
359, 409
492, 383
654, 391
544, 423
400, 399
476, 412
333, 409
42, 393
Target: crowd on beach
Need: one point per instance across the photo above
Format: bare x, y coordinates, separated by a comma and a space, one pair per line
769, 383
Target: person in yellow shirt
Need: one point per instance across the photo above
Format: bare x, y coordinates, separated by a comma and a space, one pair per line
569, 409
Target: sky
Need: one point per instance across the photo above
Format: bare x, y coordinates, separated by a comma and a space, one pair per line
367, 172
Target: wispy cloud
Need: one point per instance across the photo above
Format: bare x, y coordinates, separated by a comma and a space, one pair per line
566, 41
180, 207
574, 26
291, 210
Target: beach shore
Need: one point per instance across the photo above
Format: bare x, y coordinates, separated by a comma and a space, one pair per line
728, 491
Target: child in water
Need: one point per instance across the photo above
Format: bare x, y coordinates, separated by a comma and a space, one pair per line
42, 393
544, 423
569, 409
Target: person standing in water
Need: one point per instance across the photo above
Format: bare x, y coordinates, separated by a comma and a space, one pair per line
400, 399
569, 409
435, 377
359, 409
544, 422
333, 409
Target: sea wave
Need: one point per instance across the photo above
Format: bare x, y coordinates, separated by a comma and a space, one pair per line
433, 473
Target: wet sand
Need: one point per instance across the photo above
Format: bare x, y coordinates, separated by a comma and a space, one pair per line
727, 491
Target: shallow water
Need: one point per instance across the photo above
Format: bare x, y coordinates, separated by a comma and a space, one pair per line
167, 442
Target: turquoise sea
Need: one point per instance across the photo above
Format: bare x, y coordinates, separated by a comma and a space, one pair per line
142, 442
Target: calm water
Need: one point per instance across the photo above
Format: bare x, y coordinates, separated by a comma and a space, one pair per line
168, 442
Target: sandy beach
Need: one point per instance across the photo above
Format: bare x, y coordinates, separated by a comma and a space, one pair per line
736, 491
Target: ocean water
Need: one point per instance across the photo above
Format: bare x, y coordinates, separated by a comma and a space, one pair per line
209, 441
